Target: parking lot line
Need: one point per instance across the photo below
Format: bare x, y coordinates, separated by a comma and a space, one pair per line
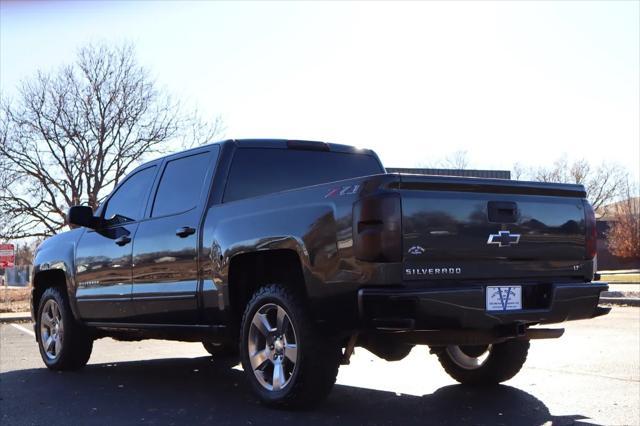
24, 330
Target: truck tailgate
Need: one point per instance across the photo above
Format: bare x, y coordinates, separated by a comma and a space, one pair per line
462, 228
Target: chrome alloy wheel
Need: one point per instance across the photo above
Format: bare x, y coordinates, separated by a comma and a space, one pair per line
51, 329
272, 344
469, 358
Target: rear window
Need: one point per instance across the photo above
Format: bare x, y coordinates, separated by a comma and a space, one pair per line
258, 171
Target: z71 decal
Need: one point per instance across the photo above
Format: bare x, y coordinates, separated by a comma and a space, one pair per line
342, 190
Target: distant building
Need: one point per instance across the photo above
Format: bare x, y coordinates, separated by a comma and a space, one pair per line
494, 174
17, 275
608, 213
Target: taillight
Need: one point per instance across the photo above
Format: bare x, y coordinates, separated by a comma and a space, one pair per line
377, 228
591, 231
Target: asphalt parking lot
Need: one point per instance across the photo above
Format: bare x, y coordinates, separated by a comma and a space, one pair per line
590, 376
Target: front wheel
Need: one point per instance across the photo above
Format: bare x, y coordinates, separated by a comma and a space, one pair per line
286, 359
64, 344
484, 364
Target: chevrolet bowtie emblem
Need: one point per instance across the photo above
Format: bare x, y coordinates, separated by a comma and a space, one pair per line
503, 239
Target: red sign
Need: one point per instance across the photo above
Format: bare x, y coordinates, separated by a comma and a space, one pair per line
7, 256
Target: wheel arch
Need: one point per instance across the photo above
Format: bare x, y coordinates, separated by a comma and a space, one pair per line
44, 279
250, 270
53, 266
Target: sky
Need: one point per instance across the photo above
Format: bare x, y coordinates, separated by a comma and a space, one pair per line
508, 82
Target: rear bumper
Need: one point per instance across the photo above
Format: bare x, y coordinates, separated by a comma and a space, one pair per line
464, 308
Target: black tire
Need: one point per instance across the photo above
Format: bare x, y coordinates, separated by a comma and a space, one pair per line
317, 357
504, 361
75, 343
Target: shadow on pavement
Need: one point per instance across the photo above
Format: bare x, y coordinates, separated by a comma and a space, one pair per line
198, 390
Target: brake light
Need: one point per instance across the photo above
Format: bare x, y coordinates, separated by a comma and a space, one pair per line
591, 231
377, 228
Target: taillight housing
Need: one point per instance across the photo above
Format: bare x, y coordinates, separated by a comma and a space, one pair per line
591, 231
377, 228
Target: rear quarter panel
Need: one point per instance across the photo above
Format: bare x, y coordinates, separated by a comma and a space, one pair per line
315, 222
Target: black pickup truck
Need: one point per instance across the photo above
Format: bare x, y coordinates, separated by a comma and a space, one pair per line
288, 254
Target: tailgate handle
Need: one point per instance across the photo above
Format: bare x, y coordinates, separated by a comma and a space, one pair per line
502, 211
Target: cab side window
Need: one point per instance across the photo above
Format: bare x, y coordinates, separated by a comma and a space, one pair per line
130, 198
259, 171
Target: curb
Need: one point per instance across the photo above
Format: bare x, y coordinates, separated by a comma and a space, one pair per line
15, 317
621, 301
619, 294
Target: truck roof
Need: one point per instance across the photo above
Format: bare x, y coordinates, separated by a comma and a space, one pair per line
297, 144
272, 143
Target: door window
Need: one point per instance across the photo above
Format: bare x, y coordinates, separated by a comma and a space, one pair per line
129, 199
181, 185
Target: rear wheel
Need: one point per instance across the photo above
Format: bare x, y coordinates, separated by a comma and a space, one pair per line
286, 360
64, 344
484, 364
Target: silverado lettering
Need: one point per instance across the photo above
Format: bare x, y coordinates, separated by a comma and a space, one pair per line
432, 271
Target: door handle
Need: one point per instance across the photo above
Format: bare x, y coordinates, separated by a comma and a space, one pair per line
123, 241
185, 231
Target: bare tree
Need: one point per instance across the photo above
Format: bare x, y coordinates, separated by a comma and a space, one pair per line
24, 253
5, 176
73, 134
624, 232
198, 131
602, 183
518, 172
458, 160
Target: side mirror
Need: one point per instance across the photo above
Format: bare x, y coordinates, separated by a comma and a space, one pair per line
82, 216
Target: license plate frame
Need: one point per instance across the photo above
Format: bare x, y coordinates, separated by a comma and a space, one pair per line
503, 298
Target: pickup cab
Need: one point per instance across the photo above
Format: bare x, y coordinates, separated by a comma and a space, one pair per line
287, 255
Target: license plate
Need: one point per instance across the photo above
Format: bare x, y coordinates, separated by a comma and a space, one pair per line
504, 298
